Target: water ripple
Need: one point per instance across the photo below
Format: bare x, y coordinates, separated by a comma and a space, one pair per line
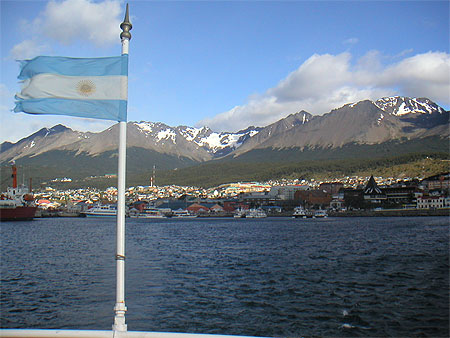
276, 277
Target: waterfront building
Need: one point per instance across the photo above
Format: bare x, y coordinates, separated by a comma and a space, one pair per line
337, 204
76, 207
286, 192
197, 209
433, 202
216, 208
372, 193
313, 198
400, 195
257, 198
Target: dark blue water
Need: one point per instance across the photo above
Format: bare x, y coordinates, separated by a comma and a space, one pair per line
273, 277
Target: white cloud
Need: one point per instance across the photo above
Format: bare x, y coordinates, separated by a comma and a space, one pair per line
72, 20
317, 74
27, 49
426, 75
324, 82
69, 20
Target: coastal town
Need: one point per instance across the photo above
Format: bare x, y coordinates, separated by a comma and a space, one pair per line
339, 197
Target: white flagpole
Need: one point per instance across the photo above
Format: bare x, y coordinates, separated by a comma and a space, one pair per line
120, 308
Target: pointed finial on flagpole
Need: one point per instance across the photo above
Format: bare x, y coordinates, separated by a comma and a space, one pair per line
126, 26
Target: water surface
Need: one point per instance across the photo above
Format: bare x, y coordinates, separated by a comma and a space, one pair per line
271, 277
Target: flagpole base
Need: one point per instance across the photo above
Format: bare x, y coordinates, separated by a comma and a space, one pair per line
119, 318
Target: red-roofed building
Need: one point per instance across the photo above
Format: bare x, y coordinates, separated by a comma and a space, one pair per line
197, 209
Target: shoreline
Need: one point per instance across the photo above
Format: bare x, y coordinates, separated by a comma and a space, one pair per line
352, 213
392, 213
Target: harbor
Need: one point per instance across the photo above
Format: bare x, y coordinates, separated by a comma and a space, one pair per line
255, 194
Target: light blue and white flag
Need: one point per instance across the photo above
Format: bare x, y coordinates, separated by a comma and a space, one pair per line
89, 87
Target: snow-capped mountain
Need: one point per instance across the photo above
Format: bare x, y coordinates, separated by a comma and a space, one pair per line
198, 144
399, 106
365, 122
213, 142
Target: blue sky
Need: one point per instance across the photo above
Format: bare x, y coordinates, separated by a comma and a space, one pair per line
231, 64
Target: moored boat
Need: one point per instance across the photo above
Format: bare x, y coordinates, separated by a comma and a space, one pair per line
182, 213
299, 212
101, 211
10, 212
18, 203
147, 213
240, 213
256, 213
320, 214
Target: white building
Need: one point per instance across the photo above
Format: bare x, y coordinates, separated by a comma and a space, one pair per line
286, 192
428, 202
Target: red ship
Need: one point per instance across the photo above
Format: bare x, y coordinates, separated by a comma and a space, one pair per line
17, 204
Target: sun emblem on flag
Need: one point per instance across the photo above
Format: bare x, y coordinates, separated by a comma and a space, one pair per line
86, 87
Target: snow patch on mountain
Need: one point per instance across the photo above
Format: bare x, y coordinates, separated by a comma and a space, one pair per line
217, 141
202, 137
213, 141
304, 119
399, 106
145, 127
167, 134
191, 133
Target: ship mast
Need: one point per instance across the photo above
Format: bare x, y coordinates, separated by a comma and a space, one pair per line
14, 175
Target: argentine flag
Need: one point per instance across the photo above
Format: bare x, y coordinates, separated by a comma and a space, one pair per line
89, 87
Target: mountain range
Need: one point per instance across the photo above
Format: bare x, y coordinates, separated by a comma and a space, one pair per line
388, 121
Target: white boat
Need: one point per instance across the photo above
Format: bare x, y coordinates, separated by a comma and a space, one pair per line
240, 214
147, 213
182, 213
256, 213
299, 212
101, 211
320, 214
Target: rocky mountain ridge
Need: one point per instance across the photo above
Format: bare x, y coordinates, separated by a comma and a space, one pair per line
364, 122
